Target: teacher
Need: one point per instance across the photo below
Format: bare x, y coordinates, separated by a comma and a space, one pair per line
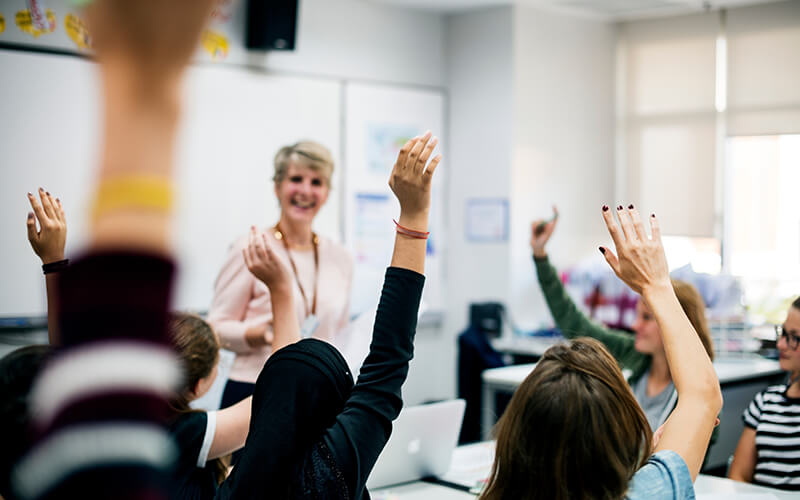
321, 270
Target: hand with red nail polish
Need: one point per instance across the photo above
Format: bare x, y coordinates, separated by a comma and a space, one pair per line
640, 261
49, 240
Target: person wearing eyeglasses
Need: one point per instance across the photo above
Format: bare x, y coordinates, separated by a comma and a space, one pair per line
768, 452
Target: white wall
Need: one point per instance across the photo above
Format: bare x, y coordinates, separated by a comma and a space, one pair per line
354, 39
532, 121
478, 160
563, 144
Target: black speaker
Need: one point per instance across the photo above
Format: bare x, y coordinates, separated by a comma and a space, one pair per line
271, 24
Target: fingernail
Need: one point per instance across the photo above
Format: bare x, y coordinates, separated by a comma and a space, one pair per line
30, 215
47, 193
58, 200
605, 208
29, 194
602, 250
619, 207
630, 207
40, 189
653, 215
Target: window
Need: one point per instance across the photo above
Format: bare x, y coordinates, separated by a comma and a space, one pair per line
762, 219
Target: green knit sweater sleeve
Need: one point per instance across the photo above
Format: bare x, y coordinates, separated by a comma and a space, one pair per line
573, 323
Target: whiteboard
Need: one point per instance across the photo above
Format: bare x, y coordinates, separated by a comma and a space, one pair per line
378, 121
235, 120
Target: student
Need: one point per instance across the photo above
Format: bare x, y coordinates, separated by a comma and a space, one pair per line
101, 402
203, 438
643, 355
768, 452
321, 271
573, 429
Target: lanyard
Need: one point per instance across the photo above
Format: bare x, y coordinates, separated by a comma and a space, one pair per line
315, 244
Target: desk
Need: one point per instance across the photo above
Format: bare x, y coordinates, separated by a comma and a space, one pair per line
740, 379
475, 461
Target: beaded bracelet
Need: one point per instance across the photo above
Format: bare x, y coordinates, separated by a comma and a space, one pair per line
133, 191
410, 232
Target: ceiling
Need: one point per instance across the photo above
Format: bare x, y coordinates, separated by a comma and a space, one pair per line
605, 9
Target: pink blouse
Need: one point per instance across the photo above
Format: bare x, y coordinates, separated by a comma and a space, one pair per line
241, 300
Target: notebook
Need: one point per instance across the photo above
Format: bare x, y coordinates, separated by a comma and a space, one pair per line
422, 443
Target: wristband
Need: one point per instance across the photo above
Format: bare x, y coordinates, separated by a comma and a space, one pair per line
54, 267
133, 191
410, 232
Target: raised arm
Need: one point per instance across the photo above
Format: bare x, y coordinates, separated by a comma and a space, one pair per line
48, 243
641, 263
570, 320
103, 397
362, 429
264, 265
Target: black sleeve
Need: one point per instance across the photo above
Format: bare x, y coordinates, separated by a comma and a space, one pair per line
362, 429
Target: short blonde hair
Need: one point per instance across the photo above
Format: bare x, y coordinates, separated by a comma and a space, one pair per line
306, 153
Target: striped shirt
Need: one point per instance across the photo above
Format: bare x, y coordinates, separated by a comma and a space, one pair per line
776, 420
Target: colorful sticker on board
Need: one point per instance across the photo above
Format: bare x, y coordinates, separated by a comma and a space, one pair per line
216, 44
25, 23
2, 23
77, 31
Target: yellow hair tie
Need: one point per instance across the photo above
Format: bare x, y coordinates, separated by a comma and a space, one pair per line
134, 191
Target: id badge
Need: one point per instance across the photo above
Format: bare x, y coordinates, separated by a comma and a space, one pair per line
309, 325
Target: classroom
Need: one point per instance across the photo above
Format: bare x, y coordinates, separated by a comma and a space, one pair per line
561, 127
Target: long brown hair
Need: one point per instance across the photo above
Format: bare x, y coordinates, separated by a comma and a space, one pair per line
197, 348
692, 304
573, 430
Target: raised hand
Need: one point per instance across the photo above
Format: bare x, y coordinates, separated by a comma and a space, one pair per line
49, 240
640, 261
541, 230
264, 264
412, 175
153, 38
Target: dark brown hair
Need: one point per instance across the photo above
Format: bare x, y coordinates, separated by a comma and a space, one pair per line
197, 348
572, 431
796, 303
695, 308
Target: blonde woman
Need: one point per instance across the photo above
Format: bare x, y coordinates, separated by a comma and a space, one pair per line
320, 271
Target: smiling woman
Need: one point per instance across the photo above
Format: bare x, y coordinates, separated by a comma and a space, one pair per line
321, 271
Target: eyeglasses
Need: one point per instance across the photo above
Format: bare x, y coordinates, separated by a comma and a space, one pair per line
792, 339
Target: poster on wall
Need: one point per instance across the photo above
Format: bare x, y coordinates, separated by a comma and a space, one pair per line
60, 26
379, 119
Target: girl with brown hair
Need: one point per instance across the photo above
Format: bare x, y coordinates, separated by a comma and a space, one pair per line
573, 429
642, 357
204, 438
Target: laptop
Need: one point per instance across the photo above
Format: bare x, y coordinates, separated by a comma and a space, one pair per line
422, 443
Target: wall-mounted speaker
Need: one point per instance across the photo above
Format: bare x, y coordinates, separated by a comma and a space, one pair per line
271, 24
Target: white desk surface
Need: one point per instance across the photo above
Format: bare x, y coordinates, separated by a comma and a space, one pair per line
728, 370
474, 461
